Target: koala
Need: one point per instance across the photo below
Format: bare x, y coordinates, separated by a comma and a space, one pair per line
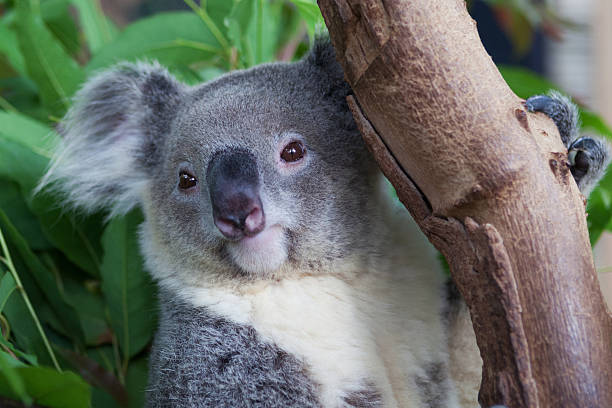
287, 274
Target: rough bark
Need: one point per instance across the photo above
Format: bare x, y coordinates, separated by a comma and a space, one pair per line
490, 186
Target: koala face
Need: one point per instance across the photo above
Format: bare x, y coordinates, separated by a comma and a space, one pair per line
256, 174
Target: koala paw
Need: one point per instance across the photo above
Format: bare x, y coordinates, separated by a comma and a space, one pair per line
561, 110
588, 157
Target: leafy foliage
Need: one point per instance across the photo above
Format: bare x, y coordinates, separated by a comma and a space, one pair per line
77, 309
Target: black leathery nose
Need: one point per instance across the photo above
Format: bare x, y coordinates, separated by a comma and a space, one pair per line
233, 182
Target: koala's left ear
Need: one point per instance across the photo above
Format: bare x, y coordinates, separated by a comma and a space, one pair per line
112, 135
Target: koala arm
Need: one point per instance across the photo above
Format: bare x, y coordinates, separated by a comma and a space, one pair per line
200, 360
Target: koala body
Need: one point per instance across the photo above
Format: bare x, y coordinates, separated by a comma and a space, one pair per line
287, 274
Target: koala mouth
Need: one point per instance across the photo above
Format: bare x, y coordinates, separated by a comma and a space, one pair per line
262, 253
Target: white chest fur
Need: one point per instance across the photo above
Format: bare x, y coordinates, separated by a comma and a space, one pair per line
378, 330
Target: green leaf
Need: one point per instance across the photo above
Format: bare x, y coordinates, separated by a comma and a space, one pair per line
126, 286
184, 40
44, 279
15, 207
26, 147
253, 27
7, 286
23, 328
309, 10
98, 30
45, 386
218, 10
8, 47
136, 382
22, 94
525, 83
57, 75
90, 307
593, 122
97, 375
57, 18
599, 208
14, 384
28, 358
77, 236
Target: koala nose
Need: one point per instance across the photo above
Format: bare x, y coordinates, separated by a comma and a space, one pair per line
233, 182
239, 215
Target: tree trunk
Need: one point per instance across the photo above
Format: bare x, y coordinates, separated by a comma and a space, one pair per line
489, 184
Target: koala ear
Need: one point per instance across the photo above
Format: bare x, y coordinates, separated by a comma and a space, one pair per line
112, 136
322, 63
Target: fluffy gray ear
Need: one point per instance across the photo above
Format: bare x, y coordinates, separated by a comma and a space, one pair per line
321, 62
112, 135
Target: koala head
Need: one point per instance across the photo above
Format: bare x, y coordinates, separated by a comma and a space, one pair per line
256, 174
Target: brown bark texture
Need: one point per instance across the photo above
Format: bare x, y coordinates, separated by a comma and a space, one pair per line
489, 185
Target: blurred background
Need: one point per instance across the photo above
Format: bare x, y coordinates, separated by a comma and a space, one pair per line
77, 310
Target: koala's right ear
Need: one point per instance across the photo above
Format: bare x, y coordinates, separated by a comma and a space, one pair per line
112, 135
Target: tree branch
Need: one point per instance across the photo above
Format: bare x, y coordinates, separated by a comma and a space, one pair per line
489, 185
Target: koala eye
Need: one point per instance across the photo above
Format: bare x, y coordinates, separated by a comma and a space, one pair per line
186, 181
293, 152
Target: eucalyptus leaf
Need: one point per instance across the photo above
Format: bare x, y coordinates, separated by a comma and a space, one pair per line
48, 64
127, 288
23, 330
26, 148
91, 310
136, 382
77, 236
98, 30
22, 94
310, 12
47, 387
8, 41
30, 359
253, 27
45, 280
238, 23
57, 18
14, 385
7, 287
173, 38
15, 207
218, 10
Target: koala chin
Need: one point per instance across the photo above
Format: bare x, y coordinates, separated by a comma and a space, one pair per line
262, 254
288, 275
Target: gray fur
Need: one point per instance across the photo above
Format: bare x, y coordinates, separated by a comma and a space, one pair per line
111, 137
561, 110
233, 368
433, 385
368, 397
589, 157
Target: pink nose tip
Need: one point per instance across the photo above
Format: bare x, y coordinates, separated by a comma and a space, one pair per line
235, 227
254, 222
